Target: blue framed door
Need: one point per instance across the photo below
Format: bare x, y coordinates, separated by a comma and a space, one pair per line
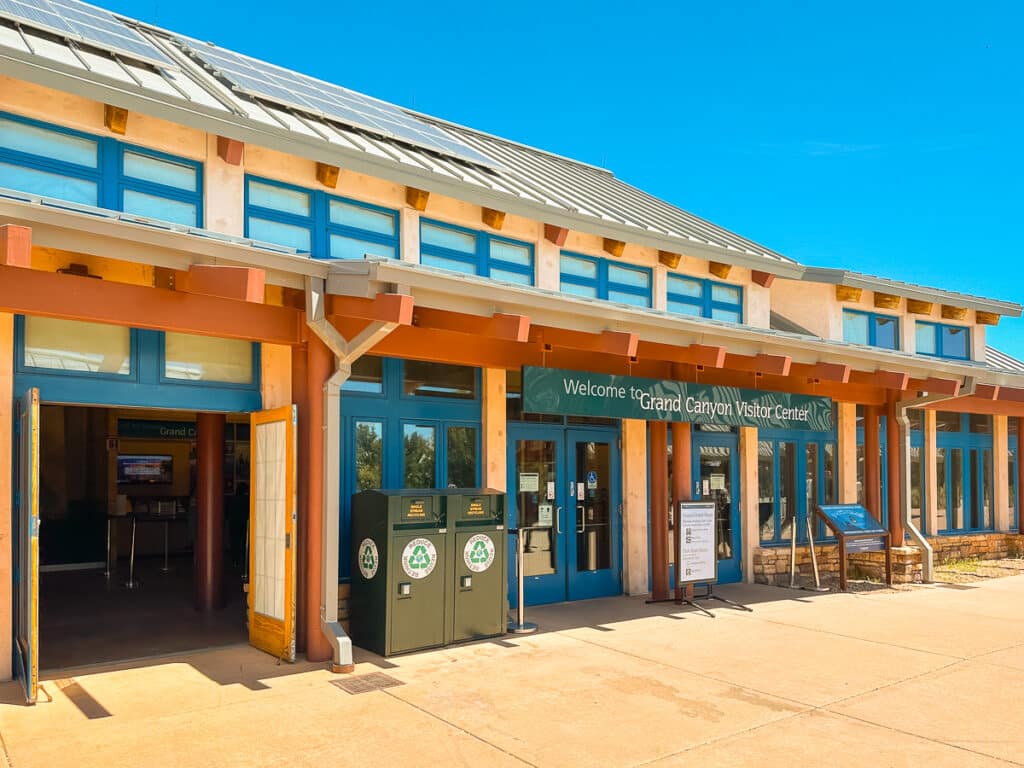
716, 476
565, 485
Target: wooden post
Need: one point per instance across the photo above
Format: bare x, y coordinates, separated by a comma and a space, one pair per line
872, 462
319, 366
300, 396
658, 468
892, 435
210, 501
682, 484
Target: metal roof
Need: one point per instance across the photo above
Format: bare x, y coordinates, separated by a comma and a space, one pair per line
1001, 361
532, 183
909, 290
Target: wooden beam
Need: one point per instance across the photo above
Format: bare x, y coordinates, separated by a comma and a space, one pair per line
846, 293
384, 307
718, 269
230, 150
987, 391
831, 372
695, 354
556, 235
15, 246
417, 198
614, 247
498, 326
327, 174
887, 300
986, 318
69, 297
238, 283
764, 279
942, 386
777, 365
895, 380
606, 342
1011, 395
708, 356
115, 119
492, 218
917, 307
669, 259
953, 313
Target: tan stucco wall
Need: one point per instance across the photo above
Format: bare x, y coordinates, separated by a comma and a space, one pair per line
275, 375
750, 529
634, 507
846, 428
810, 305
494, 464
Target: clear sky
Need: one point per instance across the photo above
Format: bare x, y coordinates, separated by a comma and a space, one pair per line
883, 137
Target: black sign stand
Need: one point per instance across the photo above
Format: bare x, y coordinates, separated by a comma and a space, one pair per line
872, 531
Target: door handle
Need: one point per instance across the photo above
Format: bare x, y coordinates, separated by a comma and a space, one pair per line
583, 516
558, 520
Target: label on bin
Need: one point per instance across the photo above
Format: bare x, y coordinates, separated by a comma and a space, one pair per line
478, 553
419, 558
415, 509
476, 507
369, 558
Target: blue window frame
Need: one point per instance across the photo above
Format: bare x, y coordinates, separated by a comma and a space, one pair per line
474, 252
597, 278
1013, 424
871, 329
964, 473
796, 470
705, 298
322, 225
99, 374
405, 424
918, 489
941, 340
62, 163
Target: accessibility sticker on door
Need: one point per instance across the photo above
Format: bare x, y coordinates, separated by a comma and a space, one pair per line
419, 558
591, 480
369, 558
478, 553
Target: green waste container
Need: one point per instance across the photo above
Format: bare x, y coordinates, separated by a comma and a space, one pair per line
477, 536
400, 571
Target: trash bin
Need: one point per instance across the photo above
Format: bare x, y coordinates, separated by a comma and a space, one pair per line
477, 537
400, 571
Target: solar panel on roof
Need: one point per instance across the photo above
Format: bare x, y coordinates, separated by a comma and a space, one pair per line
260, 80
84, 24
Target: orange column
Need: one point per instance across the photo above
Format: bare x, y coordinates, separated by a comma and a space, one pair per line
1020, 473
320, 364
657, 464
872, 462
210, 501
682, 482
892, 439
301, 399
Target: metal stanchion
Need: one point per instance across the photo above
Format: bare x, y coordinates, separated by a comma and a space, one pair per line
106, 565
814, 559
166, 567
132, 583
520, 626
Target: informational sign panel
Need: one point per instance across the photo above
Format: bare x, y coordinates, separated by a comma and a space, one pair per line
580, 393
851, 520
696, 558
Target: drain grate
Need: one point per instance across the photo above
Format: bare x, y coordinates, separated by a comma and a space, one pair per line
374, 681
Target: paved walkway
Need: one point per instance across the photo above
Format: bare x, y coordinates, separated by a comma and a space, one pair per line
931, 677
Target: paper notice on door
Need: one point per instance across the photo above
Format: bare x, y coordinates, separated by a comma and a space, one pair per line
718, 482
529, 482
545, 514
551, 490
707, 486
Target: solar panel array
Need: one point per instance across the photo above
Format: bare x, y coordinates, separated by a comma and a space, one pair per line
84, 24
258, 79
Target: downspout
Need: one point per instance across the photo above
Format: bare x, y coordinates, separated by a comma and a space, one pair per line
345, 353
966, 390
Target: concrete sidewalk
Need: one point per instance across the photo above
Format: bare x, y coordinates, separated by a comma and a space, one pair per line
933, 676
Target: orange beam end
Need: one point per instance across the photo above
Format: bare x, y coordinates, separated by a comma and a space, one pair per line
327, 174
15, 246
942, 386
619, 343
1007, 394
764, 279
556, 235
384, 307
669, 259
987, 391
417, 198
115, 119
230, 150
614, 247
512, 327
775, 364
708, 356
238, 283
831, 372
492, 218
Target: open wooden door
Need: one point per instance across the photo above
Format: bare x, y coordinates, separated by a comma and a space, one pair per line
272, 532
26, 547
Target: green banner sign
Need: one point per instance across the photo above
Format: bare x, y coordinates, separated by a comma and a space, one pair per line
578, 393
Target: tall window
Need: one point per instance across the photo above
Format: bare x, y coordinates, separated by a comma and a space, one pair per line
476, 253
871, 329
52, 161
705, 298
796, 471
941, 340
601, 279
313, 222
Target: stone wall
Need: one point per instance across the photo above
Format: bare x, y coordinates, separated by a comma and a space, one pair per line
771, 564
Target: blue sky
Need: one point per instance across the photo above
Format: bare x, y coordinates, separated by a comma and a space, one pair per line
877, 136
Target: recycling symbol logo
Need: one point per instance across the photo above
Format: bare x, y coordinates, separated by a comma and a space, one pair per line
369, 558
419, 558
478, 554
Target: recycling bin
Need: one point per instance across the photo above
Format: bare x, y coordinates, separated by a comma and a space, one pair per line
400, 571
477, 536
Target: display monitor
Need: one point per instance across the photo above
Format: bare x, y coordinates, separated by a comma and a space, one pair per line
145, 470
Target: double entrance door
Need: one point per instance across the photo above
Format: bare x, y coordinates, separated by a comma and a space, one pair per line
564, 491
715, 473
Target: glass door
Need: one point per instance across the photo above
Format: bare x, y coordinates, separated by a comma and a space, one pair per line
537, 488
716, 478
593, 543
